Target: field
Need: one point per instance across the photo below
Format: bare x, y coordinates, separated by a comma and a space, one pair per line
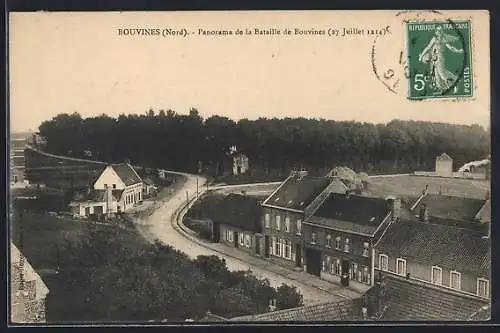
414, 185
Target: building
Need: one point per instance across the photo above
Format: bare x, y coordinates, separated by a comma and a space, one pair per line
444, 165
240, 164
476, 169
339, 237
346, 310
395, 298
117, 189
17, 161
148, 188
286, 208
452, 258
456, 211
27, 290
236, 222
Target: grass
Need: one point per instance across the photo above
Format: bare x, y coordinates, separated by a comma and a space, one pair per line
414, 185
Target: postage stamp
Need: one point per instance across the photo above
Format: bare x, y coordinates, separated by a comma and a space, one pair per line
439, 59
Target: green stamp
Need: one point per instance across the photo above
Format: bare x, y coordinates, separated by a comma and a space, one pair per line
439, 59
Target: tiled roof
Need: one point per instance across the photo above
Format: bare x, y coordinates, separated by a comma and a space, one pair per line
408, 300
449, 247
239, 211
351, 213
297, 193
331, 311
451, 207
126, 173
444, 157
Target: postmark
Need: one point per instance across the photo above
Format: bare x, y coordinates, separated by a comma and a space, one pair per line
439, 59
396, 66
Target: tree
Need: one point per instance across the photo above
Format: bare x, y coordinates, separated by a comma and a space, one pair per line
288, 297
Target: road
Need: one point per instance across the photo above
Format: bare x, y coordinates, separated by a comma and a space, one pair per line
159, 226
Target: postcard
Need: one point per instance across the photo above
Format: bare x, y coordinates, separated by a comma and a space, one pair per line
236, 167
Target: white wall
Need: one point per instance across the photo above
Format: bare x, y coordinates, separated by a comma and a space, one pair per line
109, 177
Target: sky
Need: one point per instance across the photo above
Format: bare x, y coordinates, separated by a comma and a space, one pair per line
78, 62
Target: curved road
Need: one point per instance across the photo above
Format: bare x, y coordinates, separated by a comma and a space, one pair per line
159, 225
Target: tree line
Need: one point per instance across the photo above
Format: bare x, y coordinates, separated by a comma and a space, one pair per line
190, 143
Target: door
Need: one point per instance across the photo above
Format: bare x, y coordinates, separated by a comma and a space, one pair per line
267, 245
98, 210
313, 262
235, 239
298, 255
87, 211
216, 232
344, 280
257, 244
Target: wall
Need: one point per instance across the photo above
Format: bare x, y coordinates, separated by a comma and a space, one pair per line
134, 193
291, 235
444, 168
356, 247
109, 177
422, 272
225, 227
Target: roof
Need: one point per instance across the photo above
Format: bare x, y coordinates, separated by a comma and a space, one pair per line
351, 213
297, 193
484, 214
239, 211
331, 311
467, 166
148, 181
126, 173
451, 207
449, 247
444, 157
98, 196
409, 300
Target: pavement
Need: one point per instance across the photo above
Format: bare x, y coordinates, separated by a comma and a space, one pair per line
163, 225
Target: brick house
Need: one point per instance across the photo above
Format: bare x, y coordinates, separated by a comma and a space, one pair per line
339, 237
456, 259
27, 290
236, 222
285, 209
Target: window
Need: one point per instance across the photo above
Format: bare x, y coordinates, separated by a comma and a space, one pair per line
401, 267
267, 220
287, 224
338, 268
365, 274
353, 272
229, 235
455, 280
114, 186
366, 246
326, 262
241, 239
482, 287
346, 245
299, 227
278, 222
314, 238
383, 262
328, 242
287, 249
248, 241
437, 275
338, 245
105, 185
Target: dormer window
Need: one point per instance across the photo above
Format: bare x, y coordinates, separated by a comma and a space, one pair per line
437, 275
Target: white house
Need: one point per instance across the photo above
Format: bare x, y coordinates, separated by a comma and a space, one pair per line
117, 189
240, 164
